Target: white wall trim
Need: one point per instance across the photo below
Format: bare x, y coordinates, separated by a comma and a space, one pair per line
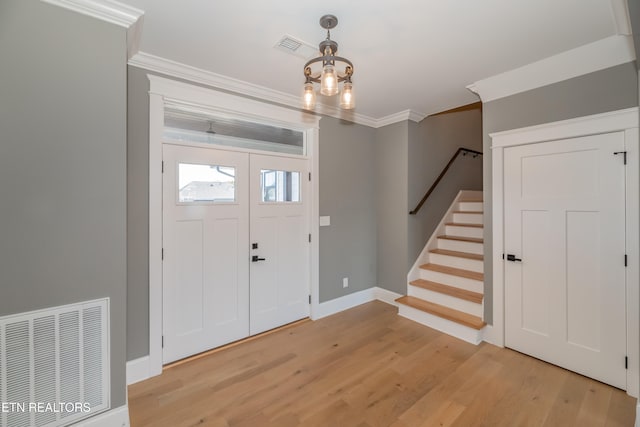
118, 417
110, 11
401, 116
386, 295
105, 10
488, 335
138, 370
182, 71
620, 13
627, 121
355, 299
345, 302
601, 54
637, 423
589, 125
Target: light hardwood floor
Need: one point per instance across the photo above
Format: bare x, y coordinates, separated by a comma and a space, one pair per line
369, 367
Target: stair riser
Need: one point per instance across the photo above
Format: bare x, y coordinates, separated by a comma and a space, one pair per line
448, 279
467, 218
457, 245
453, 230
443, 325
457, 262
447, 300
470, 206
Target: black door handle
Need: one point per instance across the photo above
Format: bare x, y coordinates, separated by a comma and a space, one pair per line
513, 258
255, 258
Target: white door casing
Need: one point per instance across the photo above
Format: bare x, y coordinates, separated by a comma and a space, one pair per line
564, 205
163, 91
205, 269
625, 121
280, 275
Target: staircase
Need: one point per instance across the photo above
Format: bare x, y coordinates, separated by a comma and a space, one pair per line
445, 289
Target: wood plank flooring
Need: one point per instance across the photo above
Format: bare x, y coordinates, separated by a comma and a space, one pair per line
369, 367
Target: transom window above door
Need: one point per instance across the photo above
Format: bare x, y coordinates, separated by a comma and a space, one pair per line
195, 127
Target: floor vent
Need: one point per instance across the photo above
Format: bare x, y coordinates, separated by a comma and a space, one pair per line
54, 365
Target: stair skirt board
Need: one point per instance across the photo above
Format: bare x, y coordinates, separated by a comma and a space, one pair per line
448, 327
447, 300
457, 262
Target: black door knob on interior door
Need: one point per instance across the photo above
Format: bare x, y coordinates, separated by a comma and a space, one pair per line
512, 258
255, 258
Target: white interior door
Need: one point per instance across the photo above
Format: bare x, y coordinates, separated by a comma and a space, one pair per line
565, 232
279, 273
205, 245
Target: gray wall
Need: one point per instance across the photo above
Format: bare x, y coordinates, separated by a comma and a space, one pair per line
432, 142
606, 90
347, 194
137, 213
391, 165
63, 165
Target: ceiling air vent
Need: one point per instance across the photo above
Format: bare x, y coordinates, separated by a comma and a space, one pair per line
296, 47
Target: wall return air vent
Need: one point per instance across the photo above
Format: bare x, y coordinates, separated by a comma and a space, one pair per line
54, 365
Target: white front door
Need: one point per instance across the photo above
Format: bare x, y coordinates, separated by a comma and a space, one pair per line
279, 241
565, 284
205, 235
216, 208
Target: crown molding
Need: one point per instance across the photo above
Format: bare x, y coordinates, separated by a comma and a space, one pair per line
112, 12
605, 53
620, 12
106, 10
197, 75
401, 116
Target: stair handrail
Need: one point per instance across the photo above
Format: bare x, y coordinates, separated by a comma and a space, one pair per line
464, 152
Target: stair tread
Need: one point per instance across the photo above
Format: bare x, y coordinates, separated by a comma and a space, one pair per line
463, 239
464, 294
458, 254
464, 224
468, 212
460, 317
471, 201
468, 274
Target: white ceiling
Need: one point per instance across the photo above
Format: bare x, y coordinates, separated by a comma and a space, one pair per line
408, 54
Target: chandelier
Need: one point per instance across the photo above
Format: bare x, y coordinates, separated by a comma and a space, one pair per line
329, 78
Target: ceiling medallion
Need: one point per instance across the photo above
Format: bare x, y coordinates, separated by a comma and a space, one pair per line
329, 78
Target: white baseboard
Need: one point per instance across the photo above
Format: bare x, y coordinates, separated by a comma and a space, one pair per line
346, 302
487, 335
138, 370
637, 423
385, 295
118, 417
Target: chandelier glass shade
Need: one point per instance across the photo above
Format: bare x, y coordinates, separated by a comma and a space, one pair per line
330, 75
